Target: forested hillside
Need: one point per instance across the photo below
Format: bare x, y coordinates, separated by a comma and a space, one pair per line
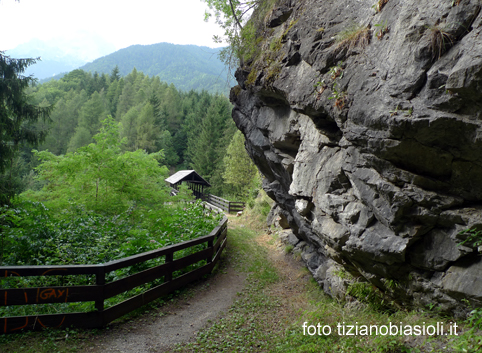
193, 129
186, 66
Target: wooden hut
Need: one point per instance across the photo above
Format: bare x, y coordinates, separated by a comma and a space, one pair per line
194, 181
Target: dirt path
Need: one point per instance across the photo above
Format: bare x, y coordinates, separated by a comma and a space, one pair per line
175, 322
208, 300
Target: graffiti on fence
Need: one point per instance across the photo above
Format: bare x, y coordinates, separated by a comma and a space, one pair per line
49, 293
42, 295
9, 322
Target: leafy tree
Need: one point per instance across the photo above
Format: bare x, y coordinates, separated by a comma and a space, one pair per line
231, 15
126, 100
154, 116
147, 131
92, 113
81, 137
129, 127
64, 120
17, 116
102, 177
239, 171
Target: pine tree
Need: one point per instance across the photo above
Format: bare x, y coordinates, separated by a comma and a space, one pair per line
17, 115
166, 144
115, 76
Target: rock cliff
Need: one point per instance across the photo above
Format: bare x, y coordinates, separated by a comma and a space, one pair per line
364, 116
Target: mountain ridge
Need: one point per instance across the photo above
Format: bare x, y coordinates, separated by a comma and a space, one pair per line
186, 66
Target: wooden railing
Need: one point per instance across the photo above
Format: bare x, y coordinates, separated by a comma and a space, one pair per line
225, 205
98, 293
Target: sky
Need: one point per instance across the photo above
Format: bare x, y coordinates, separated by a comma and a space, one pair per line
122, 23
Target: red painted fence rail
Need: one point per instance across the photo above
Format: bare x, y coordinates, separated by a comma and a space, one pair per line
98, 293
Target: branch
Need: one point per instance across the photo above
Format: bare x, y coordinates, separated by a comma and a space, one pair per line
234, 14
249, 8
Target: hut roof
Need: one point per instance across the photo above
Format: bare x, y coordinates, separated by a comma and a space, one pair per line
187, 175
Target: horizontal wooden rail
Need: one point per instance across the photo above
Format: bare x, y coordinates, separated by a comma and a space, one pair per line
98, 293
225, 205
25, 271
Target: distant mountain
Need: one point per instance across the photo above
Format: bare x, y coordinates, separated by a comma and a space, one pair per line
61, 55
186, 66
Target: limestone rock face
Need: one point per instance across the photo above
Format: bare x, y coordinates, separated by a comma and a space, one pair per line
367, 127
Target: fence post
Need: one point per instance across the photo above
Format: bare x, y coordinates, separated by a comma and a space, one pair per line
100, 281
211, 245
169, 258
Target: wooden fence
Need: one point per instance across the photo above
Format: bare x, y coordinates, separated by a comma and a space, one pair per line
225, 205
216, 241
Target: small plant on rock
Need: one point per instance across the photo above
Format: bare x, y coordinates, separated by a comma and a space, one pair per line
440, 40
354, 36
382, 30
336, 71
474, 237
340, 97
320, 87
379, 5
408, 112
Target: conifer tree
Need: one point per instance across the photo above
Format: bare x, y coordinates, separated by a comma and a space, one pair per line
115, 76
92, 113
17, 117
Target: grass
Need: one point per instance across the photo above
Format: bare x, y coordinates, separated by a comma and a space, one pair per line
253, 322
266, 320
440, 41
353, 36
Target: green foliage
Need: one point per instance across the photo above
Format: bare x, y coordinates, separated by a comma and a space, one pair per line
32, 234
208, 148
260, 204
249, 326
101, 177
239, 33
382, 29
81, 137
339, 96
193, 129
353, 36
17, 117
239, 169
154, 116
473, 237
336, 71
367, 293
188, 67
